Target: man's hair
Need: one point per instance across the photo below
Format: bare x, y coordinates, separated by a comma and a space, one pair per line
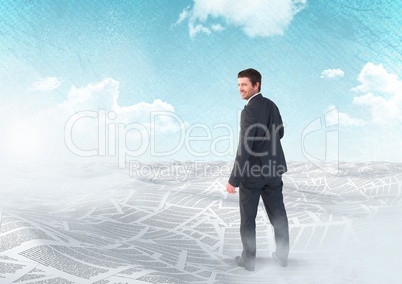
252, 74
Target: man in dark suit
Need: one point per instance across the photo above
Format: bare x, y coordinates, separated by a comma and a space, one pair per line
258, 169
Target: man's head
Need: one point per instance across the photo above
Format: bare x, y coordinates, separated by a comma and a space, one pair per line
249, 83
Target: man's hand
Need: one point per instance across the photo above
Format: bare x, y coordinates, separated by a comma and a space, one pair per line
230, 188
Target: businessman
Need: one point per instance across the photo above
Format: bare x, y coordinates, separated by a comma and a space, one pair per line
258, 169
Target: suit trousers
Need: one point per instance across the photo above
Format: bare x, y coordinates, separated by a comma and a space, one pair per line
271, 193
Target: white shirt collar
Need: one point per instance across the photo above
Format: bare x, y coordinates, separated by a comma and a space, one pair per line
252, 97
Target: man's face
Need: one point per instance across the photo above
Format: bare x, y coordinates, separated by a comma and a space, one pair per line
246, 89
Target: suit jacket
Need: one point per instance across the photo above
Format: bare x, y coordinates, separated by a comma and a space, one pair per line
259, 155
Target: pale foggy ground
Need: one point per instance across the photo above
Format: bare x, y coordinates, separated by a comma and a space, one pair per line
174, 223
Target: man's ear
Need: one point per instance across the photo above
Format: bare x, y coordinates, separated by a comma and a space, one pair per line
257, 84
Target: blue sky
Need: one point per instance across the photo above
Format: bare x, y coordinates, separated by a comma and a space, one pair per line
332, 67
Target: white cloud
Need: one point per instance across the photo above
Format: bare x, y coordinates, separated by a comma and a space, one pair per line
256, 18
92, 116
332, 73
46, 84
334, 117
345, 119
217, 28
104, 96
374, 78
183, 15
194, 30
382, 94
94, 96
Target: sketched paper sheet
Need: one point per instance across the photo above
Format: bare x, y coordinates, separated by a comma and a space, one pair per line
106, 226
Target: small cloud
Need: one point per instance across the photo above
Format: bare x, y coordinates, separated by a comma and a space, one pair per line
217, 28
332, 73
183, 15
334, 117
345, 119
194, 30
46, 84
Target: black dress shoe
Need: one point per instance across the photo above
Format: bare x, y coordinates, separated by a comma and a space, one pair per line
283, 262
249, 265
